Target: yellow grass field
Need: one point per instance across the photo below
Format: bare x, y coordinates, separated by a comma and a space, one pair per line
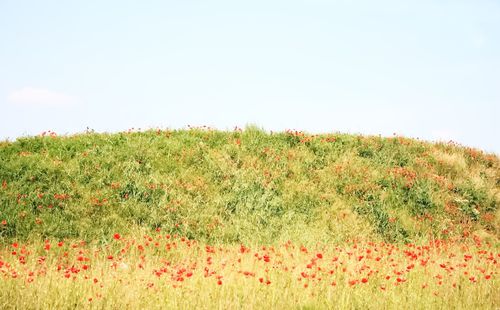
170, 272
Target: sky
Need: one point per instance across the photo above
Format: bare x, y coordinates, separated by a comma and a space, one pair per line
422, 69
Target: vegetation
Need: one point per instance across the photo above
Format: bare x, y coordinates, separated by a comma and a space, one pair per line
126, 205
245, 186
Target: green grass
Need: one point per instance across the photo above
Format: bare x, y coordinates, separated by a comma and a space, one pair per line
246, 186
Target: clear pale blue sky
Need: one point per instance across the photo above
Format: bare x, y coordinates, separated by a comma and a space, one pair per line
427, 69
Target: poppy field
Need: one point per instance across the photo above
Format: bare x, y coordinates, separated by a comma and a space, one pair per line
204, 219
164, 271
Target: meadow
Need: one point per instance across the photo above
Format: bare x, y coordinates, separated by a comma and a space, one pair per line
201, 218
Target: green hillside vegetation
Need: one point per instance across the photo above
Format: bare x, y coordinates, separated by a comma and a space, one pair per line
247, 186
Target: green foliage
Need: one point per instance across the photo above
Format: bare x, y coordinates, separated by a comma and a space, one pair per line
473, 201
240, 186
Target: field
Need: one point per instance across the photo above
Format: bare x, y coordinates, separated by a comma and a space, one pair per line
201, 218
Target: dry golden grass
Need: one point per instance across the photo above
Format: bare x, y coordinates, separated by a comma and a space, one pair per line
168, 272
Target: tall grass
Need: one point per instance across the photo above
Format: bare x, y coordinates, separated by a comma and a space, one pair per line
160, 271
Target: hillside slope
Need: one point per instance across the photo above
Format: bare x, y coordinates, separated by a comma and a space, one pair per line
246, 186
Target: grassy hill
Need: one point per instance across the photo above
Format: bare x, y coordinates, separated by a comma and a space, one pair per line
205, 219
246, 186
